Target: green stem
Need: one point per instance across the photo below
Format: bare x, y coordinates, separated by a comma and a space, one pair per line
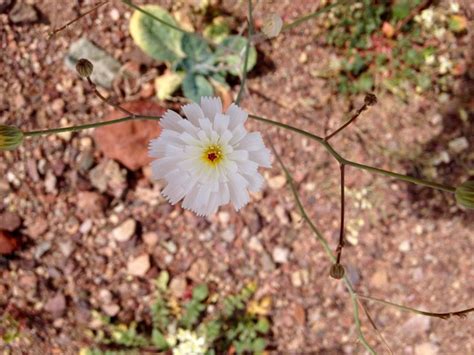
247, 52
310, 16
444, 315
342, 160
328, 251
87, 126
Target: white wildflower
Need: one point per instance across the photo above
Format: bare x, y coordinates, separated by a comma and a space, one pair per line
426, 18
189, 343
439, 32
430, 59
272, 26
209, 159
445, 64
454, 7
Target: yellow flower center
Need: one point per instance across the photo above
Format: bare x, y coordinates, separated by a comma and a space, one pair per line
212, 155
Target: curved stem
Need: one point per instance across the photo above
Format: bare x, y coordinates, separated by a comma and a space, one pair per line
314, 14
87, 126
247, 52
342, 160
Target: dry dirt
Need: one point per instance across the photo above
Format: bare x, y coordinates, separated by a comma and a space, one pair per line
406, 245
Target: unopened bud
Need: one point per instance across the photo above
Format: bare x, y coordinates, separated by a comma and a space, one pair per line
337, 271
370, 99
10, 137
465, 194
84, 67
272, 25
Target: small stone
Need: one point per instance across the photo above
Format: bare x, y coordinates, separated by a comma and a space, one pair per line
228, 235
280, 255
125, 231
426, 349
108, 175
299, 278
458, 145
9, 221
106, 68
299, 314
8, 244
151, 238
56, 305
127, 142
416, 326
86, 226
139, 266
199, 270
224, 218
66, 248
38, 227
255, 244
111, 309
171, 247
50, 182
277, 182
105, 296
42, 248
91, 203
379, 279
267, 263
23, 13
178, 286
404, 246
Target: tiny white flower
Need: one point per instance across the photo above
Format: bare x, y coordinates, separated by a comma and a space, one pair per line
454, 7
430, 60
445, 64
208, 159
426, 17
272, 25
189, 343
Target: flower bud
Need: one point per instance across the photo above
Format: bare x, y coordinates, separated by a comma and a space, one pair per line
465, 194
84, 67
337, 271
10, 137
272, 26
370, 99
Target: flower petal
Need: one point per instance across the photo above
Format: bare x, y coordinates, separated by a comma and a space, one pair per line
211, 106
237, 116
193, 112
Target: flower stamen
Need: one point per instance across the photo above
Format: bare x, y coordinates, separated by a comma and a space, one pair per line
213, 155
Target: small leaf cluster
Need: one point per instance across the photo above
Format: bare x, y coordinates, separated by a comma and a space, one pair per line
197, 64
238, 324
381, 44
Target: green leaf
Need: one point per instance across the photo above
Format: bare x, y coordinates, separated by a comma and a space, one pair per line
400, 10
165, 86
217, 31
196, 48
231, 53
200, 292
158, 340
164, 277
263, 325
155, 39
365, 83
259, 345
196, 86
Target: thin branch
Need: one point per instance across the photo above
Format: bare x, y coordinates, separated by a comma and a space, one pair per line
56, 30
372, 323
101, 97
444, 315
369, 101
341, 233
340, 159
89, 125
327, 249
312, 15
411, 16
247, 53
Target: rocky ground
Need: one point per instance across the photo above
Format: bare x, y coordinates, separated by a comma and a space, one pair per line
88, 230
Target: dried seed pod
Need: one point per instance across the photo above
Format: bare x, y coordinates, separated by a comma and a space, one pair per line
337, 271
10, 137
84, 67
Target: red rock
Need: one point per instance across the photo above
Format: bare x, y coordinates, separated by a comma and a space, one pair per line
91, 203
9, 221
127, 142
8, 244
